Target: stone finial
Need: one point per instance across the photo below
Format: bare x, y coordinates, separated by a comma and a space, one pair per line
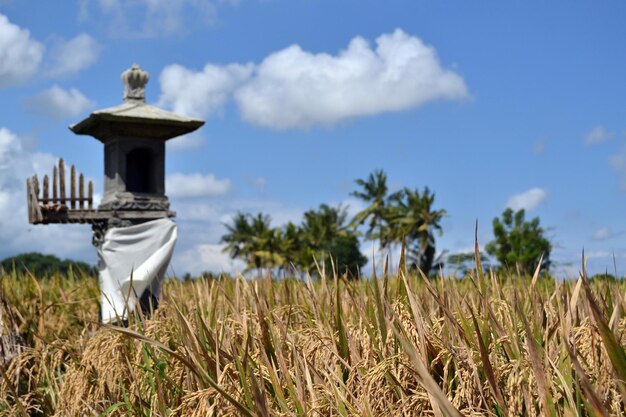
135, 80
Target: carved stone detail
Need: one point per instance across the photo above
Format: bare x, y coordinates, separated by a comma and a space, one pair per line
116, 222
135, 80
150, 205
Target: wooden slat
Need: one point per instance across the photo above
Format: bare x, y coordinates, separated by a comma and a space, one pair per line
46, 209
34, 210
36, 186
54, 185
73, 187
81, 191
62, 180
46, 194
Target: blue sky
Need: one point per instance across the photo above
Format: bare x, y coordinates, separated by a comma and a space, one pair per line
490, 104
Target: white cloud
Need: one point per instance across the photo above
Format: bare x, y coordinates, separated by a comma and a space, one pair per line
199, 211
528, 200
20, 55
42, 163
598, 135
214, 212
206, 258
293, 88
16, 235
185, 142
69, 57
151, 18
280, 213
58, 103
195, 185
203, 93
603, 233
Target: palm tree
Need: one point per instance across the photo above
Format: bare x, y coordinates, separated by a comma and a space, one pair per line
374, 191
263, 243
237, 239
320, 229
291, 248
252, 239
412, 219
268, 249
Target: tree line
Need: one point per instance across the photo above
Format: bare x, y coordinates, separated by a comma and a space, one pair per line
326, 238
40, 265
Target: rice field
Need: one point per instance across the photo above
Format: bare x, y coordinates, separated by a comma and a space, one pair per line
393, 345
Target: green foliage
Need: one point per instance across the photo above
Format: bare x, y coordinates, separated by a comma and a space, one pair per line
323, 235
252, 239
464, 262
41, 265
604, 277
374, 191
411, 218
347, 255
322, 230
404, 216
519, 244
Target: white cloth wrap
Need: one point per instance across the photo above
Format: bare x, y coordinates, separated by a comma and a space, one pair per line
137, 255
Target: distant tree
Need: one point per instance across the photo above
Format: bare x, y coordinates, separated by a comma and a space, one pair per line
411, 218
267, 247
518, 243
347, 255
374, 192
291, 247
603, 277
253, 240
404, 216
41, 265
464, 262
323, 232
238, 237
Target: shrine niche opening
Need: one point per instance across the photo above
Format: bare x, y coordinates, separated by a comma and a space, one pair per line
140, 175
